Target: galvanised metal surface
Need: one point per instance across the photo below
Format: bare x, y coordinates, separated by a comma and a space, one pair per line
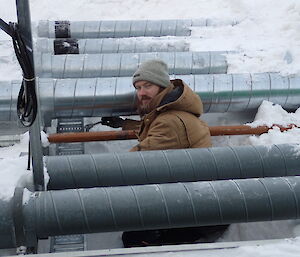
69, 126
77, 211
7, 237
24, 26
111, 45
8, 100
92, 97
125, 28
184, 165
125, 64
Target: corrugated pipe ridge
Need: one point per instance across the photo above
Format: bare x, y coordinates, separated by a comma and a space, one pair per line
170, 205
125, 64
111, 45
116, 96
125, 28
183, 165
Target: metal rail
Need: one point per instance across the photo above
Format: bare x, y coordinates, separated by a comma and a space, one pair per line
24, 23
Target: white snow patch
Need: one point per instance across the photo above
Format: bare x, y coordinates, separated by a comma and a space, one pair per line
13, 162
44, 139
275, 136
266, 40
26, 196
269, 114
14, 174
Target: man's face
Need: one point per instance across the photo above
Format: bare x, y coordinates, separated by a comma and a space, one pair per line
145, 91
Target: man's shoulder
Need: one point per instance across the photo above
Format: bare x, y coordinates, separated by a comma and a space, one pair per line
176, 113
176, 116
173, 116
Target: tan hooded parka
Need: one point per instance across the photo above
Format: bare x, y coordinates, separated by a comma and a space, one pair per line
173, 121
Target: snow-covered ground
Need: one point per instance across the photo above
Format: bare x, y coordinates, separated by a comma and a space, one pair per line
266, 39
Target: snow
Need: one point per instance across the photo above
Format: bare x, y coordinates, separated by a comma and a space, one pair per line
14, 171
266, 39
13, 163
269, 114
275, 136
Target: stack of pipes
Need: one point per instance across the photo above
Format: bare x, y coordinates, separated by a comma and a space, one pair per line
84, 70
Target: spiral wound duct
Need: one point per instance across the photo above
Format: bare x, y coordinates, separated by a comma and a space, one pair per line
115, 96
119, 29
110, 45
136, 168
122, 65
170, 205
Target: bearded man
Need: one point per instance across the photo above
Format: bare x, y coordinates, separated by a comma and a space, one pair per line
170, 113
169, 110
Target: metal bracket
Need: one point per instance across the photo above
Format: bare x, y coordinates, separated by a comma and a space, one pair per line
5, 27
24, 23
18, 217
70, 125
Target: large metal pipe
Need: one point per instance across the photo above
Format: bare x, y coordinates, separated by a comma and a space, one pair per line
8, 100
116, 96
125, 28
110, 45
125, 64
184, 165
170, 205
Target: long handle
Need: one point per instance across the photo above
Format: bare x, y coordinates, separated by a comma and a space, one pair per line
131, 134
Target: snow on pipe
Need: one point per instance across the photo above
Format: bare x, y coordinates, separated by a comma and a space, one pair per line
125, 64
78, 211
185, 165
99, 97
125, 28
110, 45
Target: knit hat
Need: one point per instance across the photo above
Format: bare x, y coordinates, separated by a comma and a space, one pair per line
154, 71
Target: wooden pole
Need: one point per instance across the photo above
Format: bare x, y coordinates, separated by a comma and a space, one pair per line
131, 134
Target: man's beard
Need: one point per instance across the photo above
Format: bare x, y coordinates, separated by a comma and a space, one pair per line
143, 108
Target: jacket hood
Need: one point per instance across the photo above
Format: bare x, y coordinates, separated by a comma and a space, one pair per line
180, 97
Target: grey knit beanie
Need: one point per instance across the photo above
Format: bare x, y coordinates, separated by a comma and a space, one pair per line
154, 71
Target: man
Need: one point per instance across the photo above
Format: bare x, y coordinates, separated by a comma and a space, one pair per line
170, 113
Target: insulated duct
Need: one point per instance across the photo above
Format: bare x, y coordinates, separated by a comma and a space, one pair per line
125, 28
184, 165
125, 64
98, 97
78, 211
9, 91
110, 45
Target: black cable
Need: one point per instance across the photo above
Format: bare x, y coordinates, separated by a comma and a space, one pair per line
27, 100
87, 127
29, 155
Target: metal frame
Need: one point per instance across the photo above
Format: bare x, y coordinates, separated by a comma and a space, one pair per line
24, 22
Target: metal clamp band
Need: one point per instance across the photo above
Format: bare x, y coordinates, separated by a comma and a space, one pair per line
29, 80
18, 217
